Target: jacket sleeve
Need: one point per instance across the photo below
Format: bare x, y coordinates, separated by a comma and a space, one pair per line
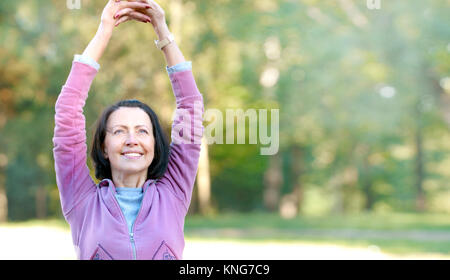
69, 141
187, 131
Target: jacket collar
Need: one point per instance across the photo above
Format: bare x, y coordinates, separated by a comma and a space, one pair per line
108, 191
109, 184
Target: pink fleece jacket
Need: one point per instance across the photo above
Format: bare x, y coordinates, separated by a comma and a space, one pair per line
98, 226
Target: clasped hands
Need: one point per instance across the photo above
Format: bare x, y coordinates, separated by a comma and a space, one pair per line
117, 12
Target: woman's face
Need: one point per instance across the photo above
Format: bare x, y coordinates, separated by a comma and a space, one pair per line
129, 142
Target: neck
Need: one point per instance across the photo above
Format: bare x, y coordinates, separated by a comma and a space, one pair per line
128, 180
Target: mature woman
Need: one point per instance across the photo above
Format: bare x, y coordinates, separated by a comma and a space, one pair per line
137, 210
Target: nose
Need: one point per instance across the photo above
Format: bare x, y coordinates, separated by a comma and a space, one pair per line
130, 140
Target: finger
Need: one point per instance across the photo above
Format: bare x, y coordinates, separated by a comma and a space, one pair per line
130, 12
134, 5
122, 12
153, 4
155, 8
122, 20
139, 16
133, 14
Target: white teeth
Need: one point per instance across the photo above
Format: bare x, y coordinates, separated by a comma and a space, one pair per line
133, 154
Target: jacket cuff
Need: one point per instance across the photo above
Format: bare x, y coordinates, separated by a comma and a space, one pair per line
182, 66
86, 60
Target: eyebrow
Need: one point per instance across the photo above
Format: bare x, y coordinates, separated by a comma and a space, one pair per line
121, 125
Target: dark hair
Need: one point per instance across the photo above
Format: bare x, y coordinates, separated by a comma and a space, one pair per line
161, 152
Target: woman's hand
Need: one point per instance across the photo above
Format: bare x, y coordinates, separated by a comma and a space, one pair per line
154, 12
110, 17
101, 39
157, 18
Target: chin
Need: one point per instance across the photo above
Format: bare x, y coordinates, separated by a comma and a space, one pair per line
130, 168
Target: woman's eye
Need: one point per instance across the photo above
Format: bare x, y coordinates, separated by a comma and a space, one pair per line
143, 131
118, 131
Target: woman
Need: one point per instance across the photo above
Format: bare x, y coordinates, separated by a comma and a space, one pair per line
137, 210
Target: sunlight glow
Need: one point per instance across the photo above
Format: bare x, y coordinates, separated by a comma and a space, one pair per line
269, 77
387, 92
445, 84
272, 48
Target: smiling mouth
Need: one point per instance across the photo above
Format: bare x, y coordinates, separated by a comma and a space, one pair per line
132, 155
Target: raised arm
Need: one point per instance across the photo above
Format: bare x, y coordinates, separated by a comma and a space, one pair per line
187, 131
70, 150
171, 51
69, 141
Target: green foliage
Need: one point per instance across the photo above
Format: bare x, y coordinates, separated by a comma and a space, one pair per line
355, 88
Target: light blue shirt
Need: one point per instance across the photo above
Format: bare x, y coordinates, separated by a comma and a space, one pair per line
130, 200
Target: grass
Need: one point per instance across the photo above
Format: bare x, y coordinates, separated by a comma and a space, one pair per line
55, 223
261, 227
270, 227
391, 221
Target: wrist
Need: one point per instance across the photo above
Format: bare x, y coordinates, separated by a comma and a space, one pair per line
162, 30
104, 31
99, 43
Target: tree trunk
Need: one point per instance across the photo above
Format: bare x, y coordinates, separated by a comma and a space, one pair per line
41, 202
420, 196
370, 201
367, 184
3, 198
204, 180
273, 179
291, 203
296, 171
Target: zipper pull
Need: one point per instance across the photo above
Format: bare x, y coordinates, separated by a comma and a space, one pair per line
133, 245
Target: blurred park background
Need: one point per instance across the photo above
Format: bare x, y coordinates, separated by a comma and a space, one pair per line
363, 93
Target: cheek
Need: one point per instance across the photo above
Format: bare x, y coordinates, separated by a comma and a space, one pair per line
151, 151
110, 146
150, 147
150, 144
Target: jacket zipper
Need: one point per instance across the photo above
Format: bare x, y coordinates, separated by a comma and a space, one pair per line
133, 244
131, 234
